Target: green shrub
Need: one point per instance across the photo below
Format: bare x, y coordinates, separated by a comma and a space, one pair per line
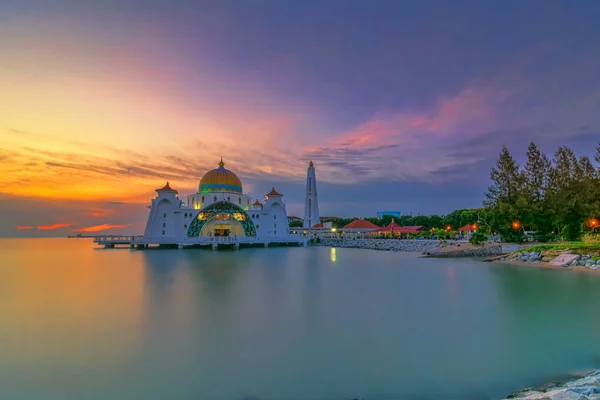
591, 238
478, 238
543, 237
513, 237
318, 240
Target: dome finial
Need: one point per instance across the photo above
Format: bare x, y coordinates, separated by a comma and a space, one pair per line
311, 164
221, 163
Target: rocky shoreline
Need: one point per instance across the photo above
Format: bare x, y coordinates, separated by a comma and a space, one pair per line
546, 258
582, 387
383, 244
433, 248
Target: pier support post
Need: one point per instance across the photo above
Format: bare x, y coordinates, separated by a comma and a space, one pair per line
131, 245
215, 246
180, 246
237, 246
266, 244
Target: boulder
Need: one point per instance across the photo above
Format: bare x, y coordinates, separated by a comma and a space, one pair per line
564, 259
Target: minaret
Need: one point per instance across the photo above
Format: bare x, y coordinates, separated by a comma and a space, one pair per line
311, 203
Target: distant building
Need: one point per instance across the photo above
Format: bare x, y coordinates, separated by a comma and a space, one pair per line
392, 213
293, 218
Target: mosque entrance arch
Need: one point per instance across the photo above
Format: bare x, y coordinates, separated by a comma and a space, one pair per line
222, 219
222, 225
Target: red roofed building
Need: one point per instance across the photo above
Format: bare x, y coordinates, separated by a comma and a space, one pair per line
411, 229
468, 228
360, 225
394, 229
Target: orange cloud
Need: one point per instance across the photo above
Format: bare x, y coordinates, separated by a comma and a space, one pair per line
23, 227
102, 227
100, 213
52, 227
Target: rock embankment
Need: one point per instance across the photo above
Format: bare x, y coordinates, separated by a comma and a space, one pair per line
467, 250
554, 258
586, 387
384, 244
433, 248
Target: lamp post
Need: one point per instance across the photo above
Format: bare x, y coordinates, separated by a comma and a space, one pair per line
593, 223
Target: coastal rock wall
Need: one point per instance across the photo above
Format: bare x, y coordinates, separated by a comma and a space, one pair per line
484, 251
580, 388
383, 244
432, 248
564, 259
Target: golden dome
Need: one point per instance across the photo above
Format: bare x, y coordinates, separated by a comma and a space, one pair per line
220, 180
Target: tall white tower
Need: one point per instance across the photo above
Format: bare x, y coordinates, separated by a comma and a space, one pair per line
311, 203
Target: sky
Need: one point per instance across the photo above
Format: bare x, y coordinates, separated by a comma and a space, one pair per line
402, 105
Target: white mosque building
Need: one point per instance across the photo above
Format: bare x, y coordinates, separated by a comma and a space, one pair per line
219, 213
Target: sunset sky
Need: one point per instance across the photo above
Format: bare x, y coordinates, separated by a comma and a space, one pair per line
401, 105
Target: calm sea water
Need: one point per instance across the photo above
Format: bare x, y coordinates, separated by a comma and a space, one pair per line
282, 323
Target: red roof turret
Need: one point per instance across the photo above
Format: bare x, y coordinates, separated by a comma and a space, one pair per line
166, 188
257, 203
273, 192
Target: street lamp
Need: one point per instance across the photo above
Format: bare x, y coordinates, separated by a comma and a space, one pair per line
516, 225
593, 223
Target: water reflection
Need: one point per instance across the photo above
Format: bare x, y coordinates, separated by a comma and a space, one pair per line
282, 323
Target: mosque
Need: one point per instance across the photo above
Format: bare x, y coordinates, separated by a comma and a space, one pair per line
219, 213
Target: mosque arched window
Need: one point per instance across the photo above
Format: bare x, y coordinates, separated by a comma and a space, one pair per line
164, 224
275, 226
203, 199
239, 200
164, 215
257, 226
248, 201
185, 226
215, 199
228, 198
163, 232
274, 216
185, 215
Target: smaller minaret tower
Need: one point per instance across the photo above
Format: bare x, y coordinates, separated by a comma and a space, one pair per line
311, 203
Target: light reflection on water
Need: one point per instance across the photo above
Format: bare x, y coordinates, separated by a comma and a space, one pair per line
282, 323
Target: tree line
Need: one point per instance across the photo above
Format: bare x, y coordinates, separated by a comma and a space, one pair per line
558, 197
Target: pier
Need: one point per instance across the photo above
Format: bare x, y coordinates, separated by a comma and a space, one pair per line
215, 242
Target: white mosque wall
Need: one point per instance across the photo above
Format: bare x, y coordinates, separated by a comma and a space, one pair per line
169, 219
161, 220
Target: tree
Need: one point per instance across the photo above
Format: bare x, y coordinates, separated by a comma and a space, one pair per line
297, 223
597, 155
506, 180
586, 170
536, 173
564, 169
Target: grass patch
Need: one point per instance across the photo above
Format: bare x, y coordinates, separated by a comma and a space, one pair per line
581, 248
